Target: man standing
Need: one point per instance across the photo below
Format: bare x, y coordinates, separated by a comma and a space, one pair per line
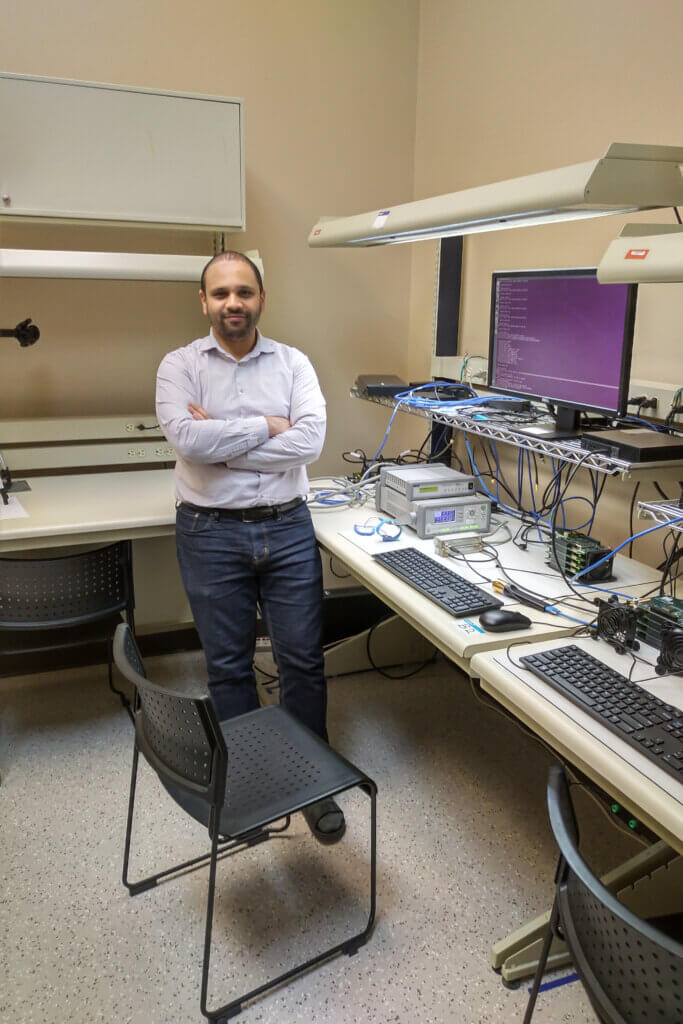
245, 415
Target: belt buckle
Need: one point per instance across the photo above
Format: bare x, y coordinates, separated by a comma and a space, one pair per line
256, 515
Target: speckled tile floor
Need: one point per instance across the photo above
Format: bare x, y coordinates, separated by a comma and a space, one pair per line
465, 856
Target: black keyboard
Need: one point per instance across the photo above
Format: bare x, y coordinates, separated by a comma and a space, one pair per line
443, 586
626, 709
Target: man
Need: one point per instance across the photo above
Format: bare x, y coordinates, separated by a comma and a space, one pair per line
245, 415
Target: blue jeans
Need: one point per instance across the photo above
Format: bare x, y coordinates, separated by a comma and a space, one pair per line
227, 566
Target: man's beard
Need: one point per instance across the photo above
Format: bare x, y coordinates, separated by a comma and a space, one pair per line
235, 332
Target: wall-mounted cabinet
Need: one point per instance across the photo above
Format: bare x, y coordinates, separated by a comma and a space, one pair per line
85, 152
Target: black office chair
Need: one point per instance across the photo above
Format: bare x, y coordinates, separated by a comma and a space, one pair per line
631, 970
237, 778
56, 603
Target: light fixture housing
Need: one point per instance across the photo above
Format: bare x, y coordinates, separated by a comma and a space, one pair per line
123, 266
110, 266
644, 253
629, 177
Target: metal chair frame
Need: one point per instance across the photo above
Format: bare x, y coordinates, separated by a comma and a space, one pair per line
128, 661
573, 876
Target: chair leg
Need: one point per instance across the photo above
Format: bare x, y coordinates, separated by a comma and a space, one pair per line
542, 960
354, 945
129, 824
209, 924
224, 847
349, 946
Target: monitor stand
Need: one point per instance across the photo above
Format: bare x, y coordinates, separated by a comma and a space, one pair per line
565, 428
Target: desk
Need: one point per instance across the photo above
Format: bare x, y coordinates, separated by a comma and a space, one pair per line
460, 639
99, 508
649, 883
90, 508
651, 794
651, 877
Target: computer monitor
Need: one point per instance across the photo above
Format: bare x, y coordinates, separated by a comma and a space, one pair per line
560, 336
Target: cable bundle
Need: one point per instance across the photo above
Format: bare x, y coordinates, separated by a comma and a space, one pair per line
617, 625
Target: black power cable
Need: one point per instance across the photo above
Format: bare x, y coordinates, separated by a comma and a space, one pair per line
382, 672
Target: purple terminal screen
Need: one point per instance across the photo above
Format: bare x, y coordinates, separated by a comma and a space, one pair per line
560, 337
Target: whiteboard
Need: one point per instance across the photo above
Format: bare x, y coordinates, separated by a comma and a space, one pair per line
86, 151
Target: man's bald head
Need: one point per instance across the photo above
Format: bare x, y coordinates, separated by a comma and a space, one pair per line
232, 255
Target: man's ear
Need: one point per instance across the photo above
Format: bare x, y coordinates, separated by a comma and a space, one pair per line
202, 298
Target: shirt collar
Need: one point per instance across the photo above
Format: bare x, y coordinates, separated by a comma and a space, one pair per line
262, 346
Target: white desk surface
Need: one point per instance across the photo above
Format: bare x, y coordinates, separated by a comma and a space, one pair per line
460, 639
91, 507
647, 791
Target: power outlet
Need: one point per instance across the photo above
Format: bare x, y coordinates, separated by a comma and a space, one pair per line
662, 393
164, 451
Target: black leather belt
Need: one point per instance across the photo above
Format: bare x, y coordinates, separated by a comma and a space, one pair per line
257, 514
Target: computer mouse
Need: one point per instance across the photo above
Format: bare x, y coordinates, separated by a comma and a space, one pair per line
500, 620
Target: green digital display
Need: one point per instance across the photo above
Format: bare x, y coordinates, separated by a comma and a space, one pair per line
424, 490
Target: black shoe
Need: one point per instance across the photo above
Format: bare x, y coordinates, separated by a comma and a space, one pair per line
325, 820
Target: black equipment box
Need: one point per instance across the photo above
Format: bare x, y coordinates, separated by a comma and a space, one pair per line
576, 552
508, 405
635, 445
385, 385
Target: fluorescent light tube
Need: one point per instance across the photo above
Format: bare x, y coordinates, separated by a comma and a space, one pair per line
123, 266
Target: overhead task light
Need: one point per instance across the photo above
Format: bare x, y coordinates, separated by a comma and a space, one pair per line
123, 266
644, 253
628, 178
107, 266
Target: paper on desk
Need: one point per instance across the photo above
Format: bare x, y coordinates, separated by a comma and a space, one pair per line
13, 510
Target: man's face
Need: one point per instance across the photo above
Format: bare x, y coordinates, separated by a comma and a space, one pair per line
232, 301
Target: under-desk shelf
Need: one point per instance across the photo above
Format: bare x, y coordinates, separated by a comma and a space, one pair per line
566, 451
662, 512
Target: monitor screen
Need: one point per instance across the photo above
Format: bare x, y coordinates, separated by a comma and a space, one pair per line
562, 336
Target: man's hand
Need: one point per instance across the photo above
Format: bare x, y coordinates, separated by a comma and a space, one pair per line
277, 425
197, 412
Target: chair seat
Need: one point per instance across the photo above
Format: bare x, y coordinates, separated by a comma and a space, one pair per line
283, 766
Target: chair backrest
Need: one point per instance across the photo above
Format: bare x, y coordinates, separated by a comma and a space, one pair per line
632, 971
178, 733
66, 590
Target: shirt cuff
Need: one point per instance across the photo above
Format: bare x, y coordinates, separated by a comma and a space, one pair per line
255, 433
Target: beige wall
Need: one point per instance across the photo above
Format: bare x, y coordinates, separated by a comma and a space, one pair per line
350, 104
330, 97
506, 89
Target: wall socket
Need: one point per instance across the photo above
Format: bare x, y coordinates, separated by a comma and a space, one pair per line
664, 394
132, 428
163, 452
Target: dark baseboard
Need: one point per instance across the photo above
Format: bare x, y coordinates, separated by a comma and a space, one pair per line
95, 653
346, 612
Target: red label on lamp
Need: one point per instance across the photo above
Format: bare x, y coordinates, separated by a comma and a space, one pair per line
636, 254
